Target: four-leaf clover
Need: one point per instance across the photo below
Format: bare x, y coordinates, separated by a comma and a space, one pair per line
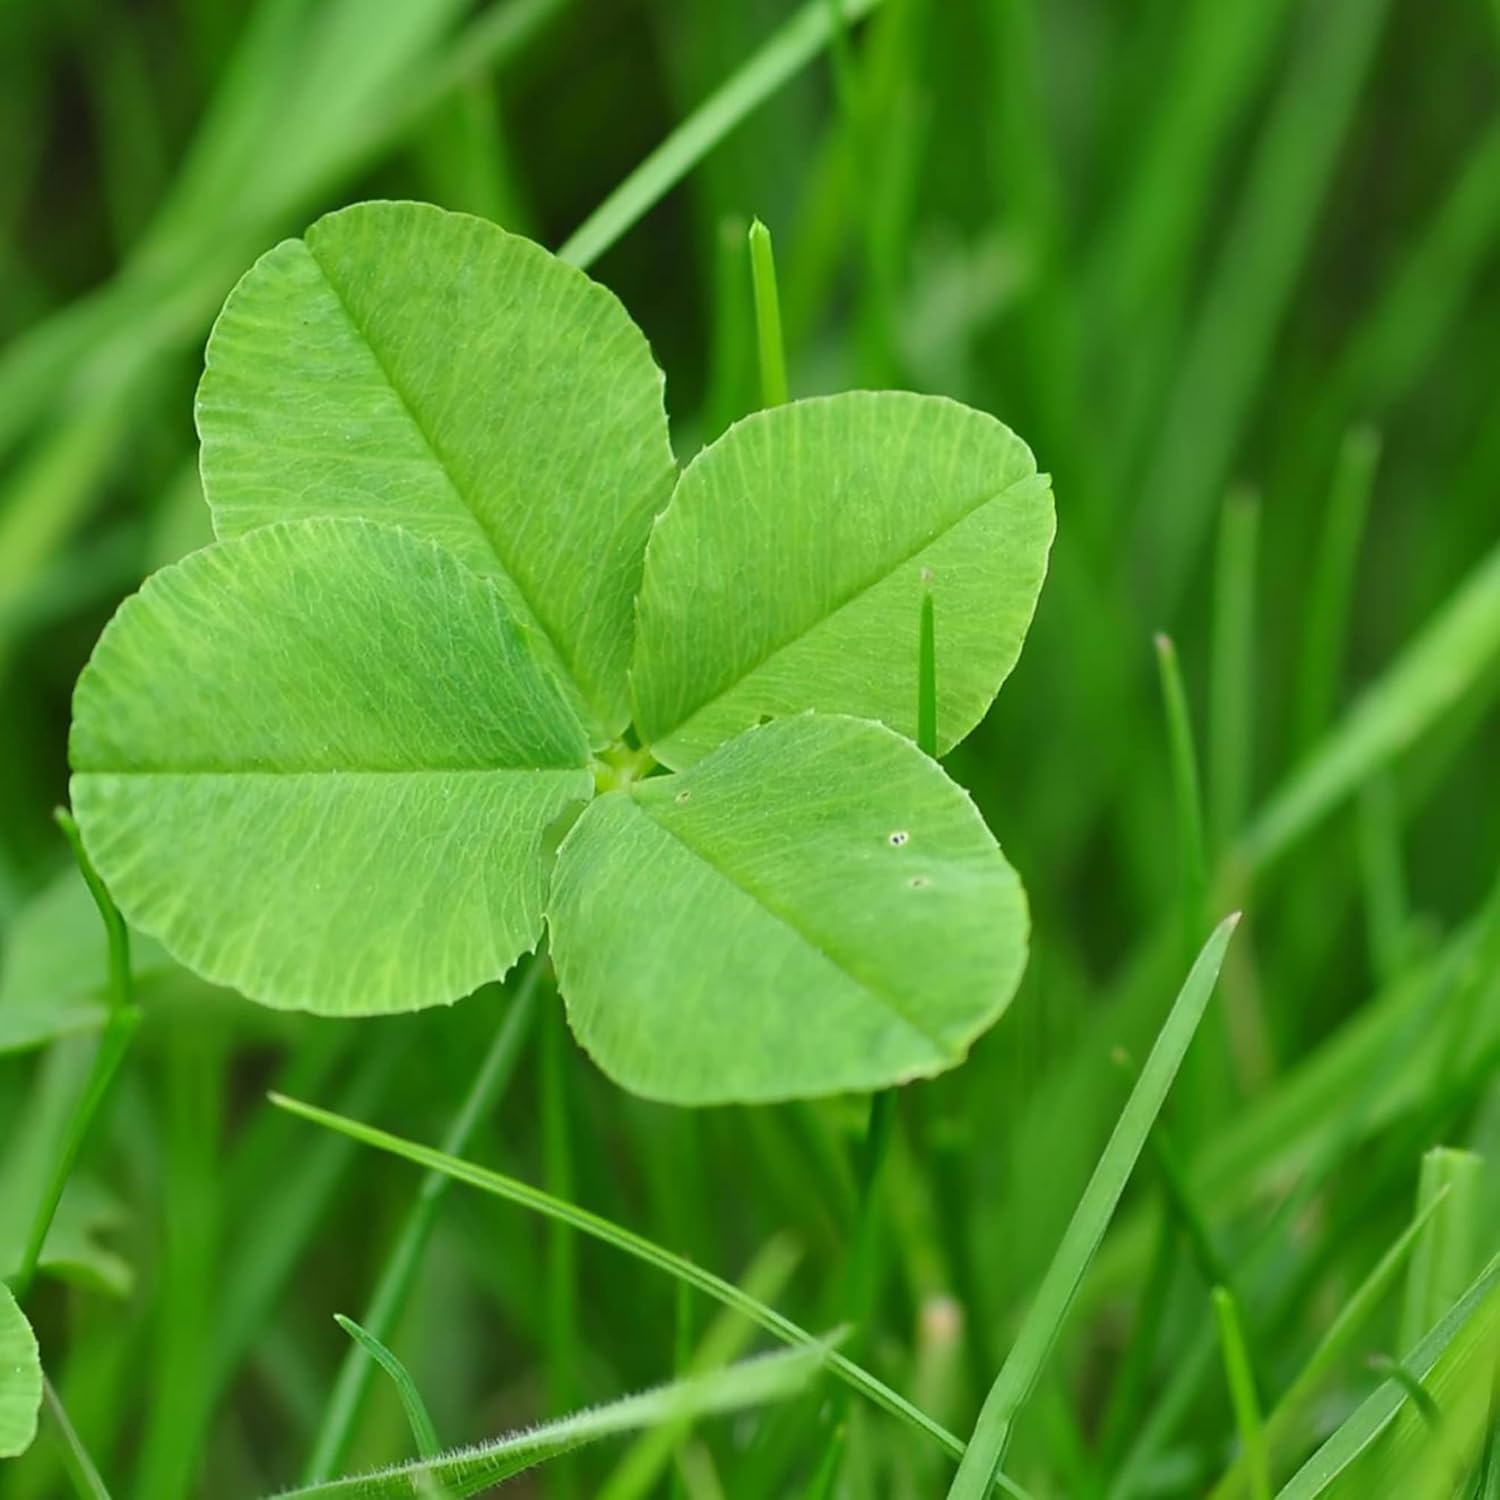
411, 707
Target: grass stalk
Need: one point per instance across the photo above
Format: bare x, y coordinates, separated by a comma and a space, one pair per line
79, 1466
404, 1259
424, 1434
1187, 802
1450, 1186
1242, 1392
1325, 633
809, 30
642, 1249
773, 381
562, 1245
1044, 1320
1231, 725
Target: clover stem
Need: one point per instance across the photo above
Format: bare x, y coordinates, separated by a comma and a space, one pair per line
110, 1052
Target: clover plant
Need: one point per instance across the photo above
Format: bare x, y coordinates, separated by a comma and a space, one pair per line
471, 659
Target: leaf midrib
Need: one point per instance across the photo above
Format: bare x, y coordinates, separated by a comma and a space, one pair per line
788, 920
970, 509
439, 457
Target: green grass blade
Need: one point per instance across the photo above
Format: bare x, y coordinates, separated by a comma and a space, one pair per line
1045, 1318
1382, 875
1430, 676
1231, 724
1440, 1361
1290, 1414
788, 51
1417, 1393
1193, 863
773, 381
561, 1291
514, 1191
79, 1466
1321, 656
1242, 1392
423, 1433
642, 1465
336, 1429
471, 1471
1446, 1260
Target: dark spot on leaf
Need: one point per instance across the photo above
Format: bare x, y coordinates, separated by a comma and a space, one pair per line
899, 837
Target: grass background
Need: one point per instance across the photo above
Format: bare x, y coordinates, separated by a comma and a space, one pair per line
1233, 269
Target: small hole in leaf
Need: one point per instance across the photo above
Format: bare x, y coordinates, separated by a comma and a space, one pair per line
761, 722
917, 882
899, 837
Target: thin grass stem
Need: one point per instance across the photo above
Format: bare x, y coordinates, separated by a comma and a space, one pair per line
1242, 1392
773, 381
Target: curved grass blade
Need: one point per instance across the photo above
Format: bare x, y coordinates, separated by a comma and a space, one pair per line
1242, 1392
1039, 1331
1433, 673
641, 1466
74, 1457
1442, 1361
423, 1433
471, 1471
513, 1191
1289, 1413
785, 53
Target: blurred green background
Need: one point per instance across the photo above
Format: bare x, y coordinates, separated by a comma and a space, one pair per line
1232, 267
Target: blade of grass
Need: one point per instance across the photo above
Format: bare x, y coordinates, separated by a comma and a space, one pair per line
1472, 1320
79, 1466
1242, 1392
1382, 875
785, 53
471, 1471
1049, 1309
1433, 672
1183, 758
562, 1245
1389, 1368
423, 1433
1231, 720
773, 382
392, 1289
642, 1465
642, 1249
1445, 1261
1290, 1414
1320, 656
